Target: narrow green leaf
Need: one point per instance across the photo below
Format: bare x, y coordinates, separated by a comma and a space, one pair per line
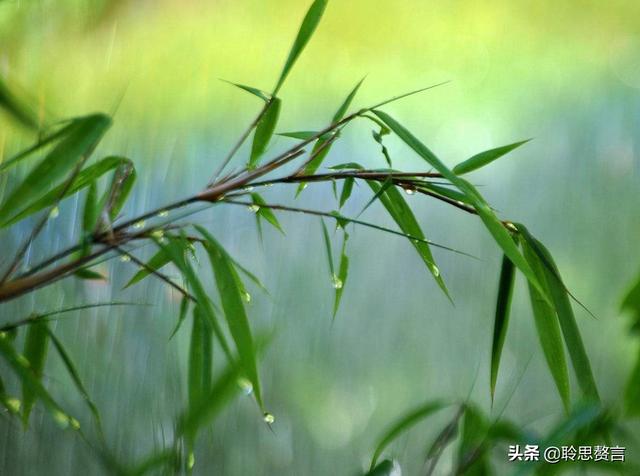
35, 351
265, 212
347, 165
388, 182
264, 131
445, 192
486, 157
90, 211
303, 135
501, 321
156, 262
566, 318
377, 136
16, 108
88, 274
631, 304
403, 424
184, 308
75, 376
472, 449
404, 217
84, 179
29, 381
121, 185
343, 271
231, 296
491, 222
327, 245
76, 146
385, 468
632, 391
344, 107
308, 26
251, 90
347, 188
200, 359
548, 331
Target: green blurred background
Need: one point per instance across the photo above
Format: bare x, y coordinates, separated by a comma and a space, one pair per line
565, 73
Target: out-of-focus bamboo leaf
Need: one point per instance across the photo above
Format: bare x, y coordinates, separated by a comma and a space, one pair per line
35, 351
251, 90
444, 438
347, 165
212, 402
385, 468
264, 131
157, 261
343, 272
175, 249
566, 318
90, 211
403, 216
123, 180
501, 320
548, 331
403, 424
184, 308
486, 157
231, 296
21, 367
75, 376
200, 359
632, 391
631, 304
347, 188
472, 460
308, 26
491, 222
264, 212
16, 108
76, 146
327, 245
89, 274
84, 179
303, 135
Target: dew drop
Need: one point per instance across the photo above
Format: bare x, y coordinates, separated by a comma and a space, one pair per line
75, 424
61, 419
268, 418
22, 360
125, 258
435, 270
163, 213
303, 186
55, 211
336, 282
245, 385
13, 404
191, 460
410, 190
3, 335
246, 296
248, 189
253, 208
139, 224
158, 234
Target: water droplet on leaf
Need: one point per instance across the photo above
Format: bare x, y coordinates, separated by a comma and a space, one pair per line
139, 224
245, 385
55, 211
253, 208
268, 418
13, 404
410, 190
125, 258
163, 213
336, 282
191, 460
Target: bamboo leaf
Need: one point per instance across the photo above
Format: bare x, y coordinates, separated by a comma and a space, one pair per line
16, 108
327, 245
84, 179
303, 135
231, 296
75, 147
403, 424
486, 157
157, 261
343, 271
344, 107
121, 185
377, 136
184, 308
264, 131
491, 222
632, 391
549, 331
265, 212
385, 468
501, 321
200, 359
251, 90
308, 26
347, 188
91, 210
35, 351
403, 216
445, 192
631, 304
566, 318
472, 460
88, 274
388, 182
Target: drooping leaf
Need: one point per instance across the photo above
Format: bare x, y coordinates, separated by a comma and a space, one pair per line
29, 381
560, 299
75, 376
156, 262
377, 136
446, 436
264, 131
123, 180
35, 351
184, 308
347, 188
404, 217
327, 245
251, 90
16, 108
491, 222
200, 359
501, 320
631, 304
472, 460
343, 272
385, 468
308, 26
388, 182
548, 328
76, 146
265, 212
84, 179
232, 303
303, 135
90, 211
486, 157
403, 424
